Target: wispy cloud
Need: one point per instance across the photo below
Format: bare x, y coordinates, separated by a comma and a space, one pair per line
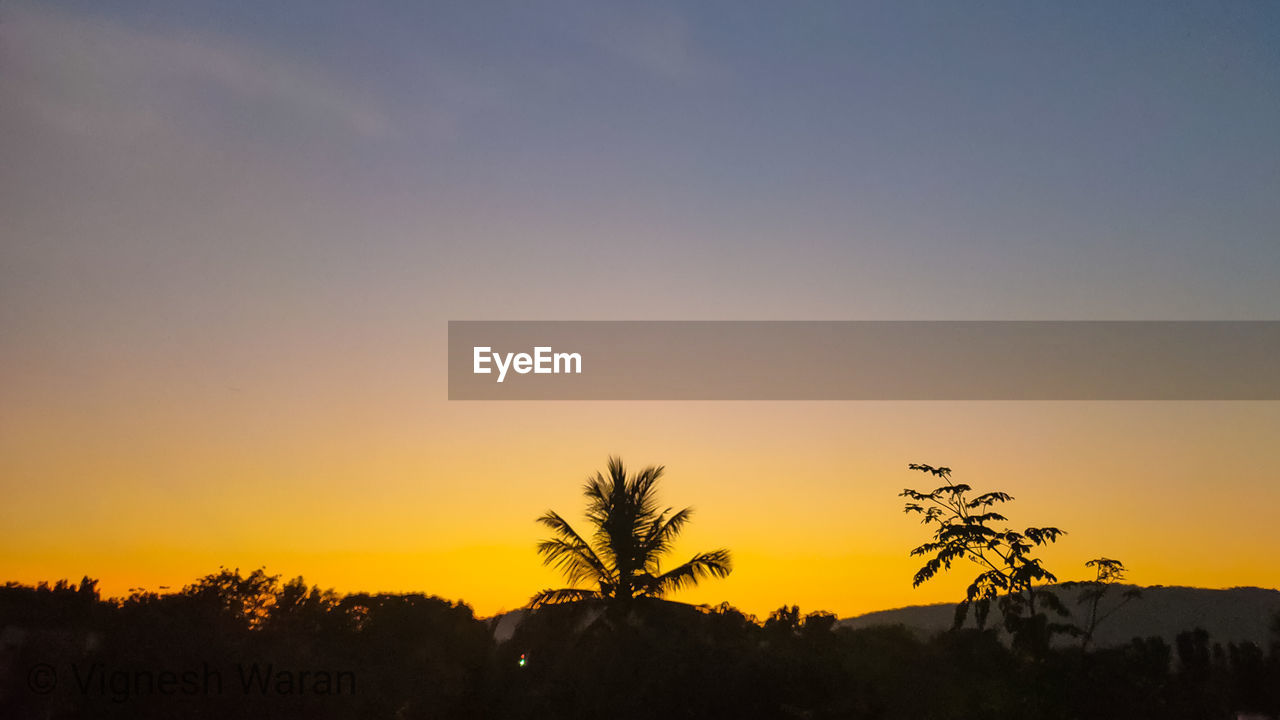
658, 42
103, 80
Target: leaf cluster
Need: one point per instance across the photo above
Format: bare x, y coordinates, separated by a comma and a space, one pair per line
632, 532
971, 527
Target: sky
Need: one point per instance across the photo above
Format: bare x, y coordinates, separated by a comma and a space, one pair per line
232, 234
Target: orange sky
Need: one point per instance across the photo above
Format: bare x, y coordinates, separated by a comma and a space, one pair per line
441, 497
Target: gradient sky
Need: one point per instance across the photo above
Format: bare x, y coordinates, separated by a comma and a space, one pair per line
231, 236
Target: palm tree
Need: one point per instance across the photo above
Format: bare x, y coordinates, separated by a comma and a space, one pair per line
622, 557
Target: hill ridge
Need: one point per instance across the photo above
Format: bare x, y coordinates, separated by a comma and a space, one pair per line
1236, 614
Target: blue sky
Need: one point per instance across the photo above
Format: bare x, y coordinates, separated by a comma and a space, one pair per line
1085, 161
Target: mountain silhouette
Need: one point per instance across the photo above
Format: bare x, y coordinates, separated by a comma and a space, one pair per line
1242, 614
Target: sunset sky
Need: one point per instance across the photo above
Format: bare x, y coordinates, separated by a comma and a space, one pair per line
232, 234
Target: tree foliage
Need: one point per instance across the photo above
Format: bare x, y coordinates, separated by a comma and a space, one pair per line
622, 557
970, 527
1108, 574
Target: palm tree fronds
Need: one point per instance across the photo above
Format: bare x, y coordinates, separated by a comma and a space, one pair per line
717, 563
577, 563
562, 595
664, 530
631, 532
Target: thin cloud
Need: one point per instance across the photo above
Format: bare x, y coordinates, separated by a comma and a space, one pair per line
102, 80
660, 43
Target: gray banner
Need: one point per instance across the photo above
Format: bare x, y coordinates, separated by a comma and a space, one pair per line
864, 360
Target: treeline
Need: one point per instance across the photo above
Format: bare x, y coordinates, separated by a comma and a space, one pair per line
234, 645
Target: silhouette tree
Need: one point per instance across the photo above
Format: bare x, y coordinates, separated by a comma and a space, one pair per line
244, 599
1010, 572
622, 556
784, 620
1110, 573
